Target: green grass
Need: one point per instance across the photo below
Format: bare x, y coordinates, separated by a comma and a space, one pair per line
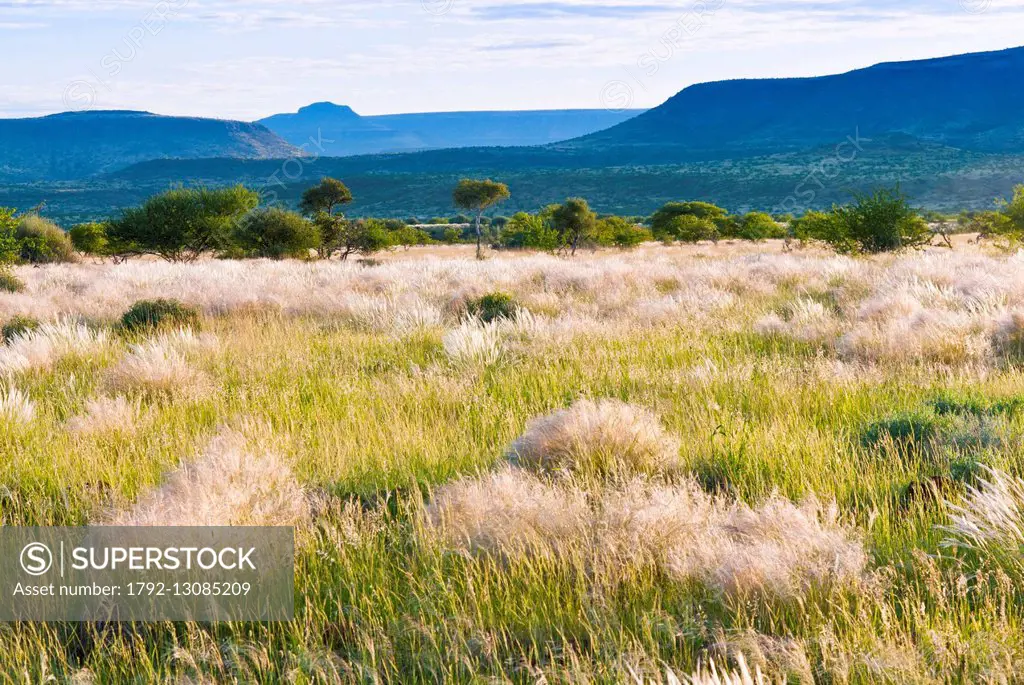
376, 422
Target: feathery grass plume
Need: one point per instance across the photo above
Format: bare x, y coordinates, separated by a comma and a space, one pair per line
992, 519
106, 415
805, 320
228, 485
1008, 338
157, 368
606, 437
474, 344
42, 347
16, 407
186, 340
712, 675
509, 513
777, 548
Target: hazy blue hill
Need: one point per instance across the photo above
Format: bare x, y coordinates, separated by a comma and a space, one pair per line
81, 144
352, 134
972, 101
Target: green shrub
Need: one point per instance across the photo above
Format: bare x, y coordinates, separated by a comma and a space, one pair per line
492, 307
146, 314
9, 281
620, 232
43, 242
181, 224
18, 325
880, 222
90, 239
276, 233
529, 231
758, 226
687, 228
687, 222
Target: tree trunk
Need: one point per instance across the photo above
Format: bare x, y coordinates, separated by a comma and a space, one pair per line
479, 237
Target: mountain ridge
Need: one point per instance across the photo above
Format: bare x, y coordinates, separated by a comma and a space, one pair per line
71, 145
346, 133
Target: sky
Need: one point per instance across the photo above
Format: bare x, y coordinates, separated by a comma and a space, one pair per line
247, 59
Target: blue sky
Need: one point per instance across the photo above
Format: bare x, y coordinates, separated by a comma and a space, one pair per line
247, 59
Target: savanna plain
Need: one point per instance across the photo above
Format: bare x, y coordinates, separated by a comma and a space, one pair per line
676, 464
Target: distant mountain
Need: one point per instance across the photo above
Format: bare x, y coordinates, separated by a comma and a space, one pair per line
81, 144
345, 133
972, 102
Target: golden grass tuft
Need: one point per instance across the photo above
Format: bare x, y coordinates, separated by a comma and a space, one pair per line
228, 485
106, 415
509, 513
777, 548
157, 368
602, 437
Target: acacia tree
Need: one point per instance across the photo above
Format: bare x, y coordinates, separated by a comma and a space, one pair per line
478, 197
181, 224
574, 221
320, 203
687, 221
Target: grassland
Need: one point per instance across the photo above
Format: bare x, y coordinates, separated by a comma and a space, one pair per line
800, 460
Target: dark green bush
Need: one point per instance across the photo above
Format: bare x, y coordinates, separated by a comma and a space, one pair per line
146, 314
18, 325
276, 233
492, 307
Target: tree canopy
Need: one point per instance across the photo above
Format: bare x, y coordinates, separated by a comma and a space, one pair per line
325, 196
181, 224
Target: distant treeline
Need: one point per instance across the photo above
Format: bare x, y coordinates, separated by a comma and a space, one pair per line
183, 224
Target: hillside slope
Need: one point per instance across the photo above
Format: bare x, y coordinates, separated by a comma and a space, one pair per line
81, 144
971, 101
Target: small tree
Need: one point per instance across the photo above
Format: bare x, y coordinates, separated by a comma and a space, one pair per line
478, 197
882, 221
665, 227
574, 222
326, 196
620, 232
180, 225
362, 236
276, 233
687, 228
320, 203
90, 239
529, 231
1006, 224
758, 226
